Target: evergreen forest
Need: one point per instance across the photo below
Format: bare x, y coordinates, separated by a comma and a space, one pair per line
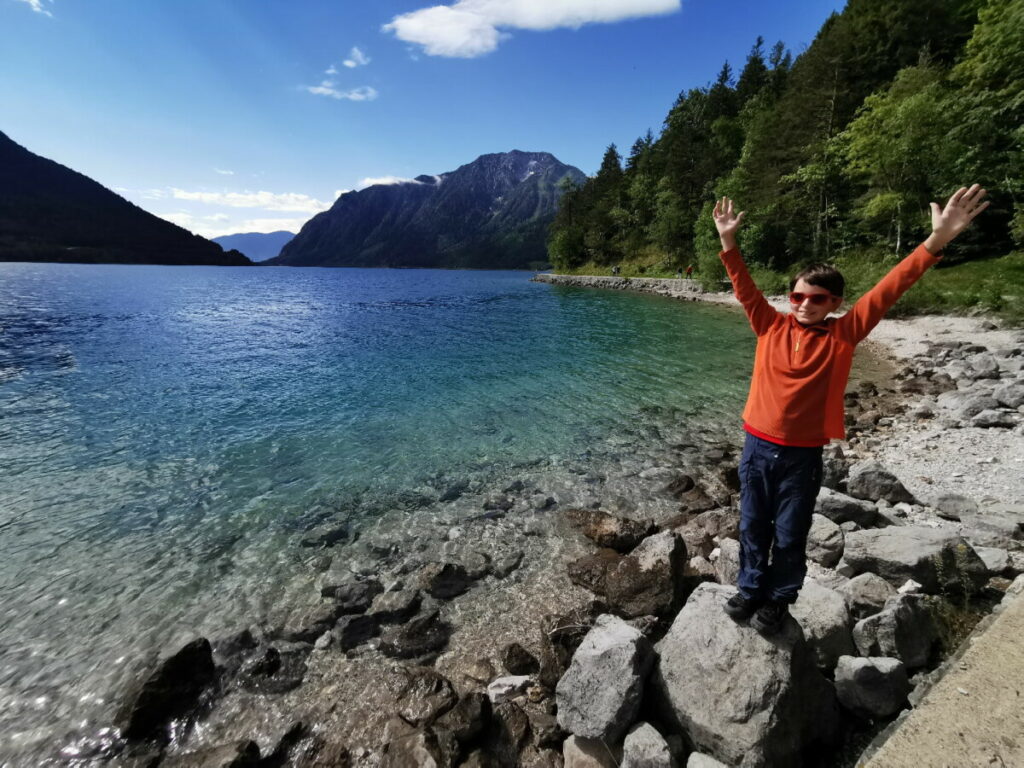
834, 154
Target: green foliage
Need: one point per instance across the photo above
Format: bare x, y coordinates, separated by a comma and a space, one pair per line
837, 152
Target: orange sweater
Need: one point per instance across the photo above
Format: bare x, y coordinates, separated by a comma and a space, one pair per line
800, 372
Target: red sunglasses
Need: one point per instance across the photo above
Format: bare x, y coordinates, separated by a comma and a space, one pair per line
817, 299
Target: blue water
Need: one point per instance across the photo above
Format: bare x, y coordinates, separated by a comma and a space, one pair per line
166, 433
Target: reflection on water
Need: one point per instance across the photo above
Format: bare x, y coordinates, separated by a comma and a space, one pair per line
167, 434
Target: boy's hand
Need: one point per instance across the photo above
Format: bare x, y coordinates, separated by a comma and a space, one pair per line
959, 212
727, 223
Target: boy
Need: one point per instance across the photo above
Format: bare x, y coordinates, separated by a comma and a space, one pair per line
795, 406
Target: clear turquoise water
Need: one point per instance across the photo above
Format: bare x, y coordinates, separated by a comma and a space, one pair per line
166, 433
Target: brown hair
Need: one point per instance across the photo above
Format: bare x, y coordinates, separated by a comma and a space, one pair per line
822, 275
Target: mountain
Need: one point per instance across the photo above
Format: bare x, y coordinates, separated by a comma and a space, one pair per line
492, 213
52, 213
258, 246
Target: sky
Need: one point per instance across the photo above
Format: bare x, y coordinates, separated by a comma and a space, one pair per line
229, 116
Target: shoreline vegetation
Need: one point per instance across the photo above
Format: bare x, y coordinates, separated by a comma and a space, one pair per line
575, 618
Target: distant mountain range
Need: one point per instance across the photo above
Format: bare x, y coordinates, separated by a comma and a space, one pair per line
51, 213
492, 213
258, 246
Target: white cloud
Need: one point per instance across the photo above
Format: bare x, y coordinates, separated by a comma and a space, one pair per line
471, 28
327, 88
375, 181
269, 201
223, 172
356, 58
331, 70
223, 225
38, 7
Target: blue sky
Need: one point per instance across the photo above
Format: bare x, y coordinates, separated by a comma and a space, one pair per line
252, 115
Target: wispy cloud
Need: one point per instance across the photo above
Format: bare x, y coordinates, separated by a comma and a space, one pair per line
375, 181
224, 172
329, 88
356, 58
268, 201
331, 70
219, 225
471, 28
38, 6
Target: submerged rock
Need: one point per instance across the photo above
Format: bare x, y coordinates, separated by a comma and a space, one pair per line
605, 530
747, 700
171, 691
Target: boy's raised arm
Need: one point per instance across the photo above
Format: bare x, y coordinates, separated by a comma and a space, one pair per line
947, 223
760, 313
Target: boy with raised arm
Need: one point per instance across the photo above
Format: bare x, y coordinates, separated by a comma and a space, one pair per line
795, 406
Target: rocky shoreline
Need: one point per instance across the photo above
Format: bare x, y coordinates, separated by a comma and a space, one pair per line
574, 617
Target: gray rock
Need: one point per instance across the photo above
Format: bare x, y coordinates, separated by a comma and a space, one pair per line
840, 508
747, 700
444, 580
835, 469
996, 560
1000, 525
506, 688
941, 561
351, 631
905, 629
423, 695
578, 752
242, 754
395, 607
872, 687
984, 367
651, 580
870, 480
825, 620
703, 531
727, 566
952, 505
645, 748
824, 541
519, 661
599, 695
1010, 394
605, 530
866, 594
993, 419
423, 635
306, 623
700, 760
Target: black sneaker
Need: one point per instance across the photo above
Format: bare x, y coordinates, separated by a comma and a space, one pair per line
740, 608
769, 617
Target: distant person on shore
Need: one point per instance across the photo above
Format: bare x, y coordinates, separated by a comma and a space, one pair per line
679, 273
689, 272
795, 405
615, 270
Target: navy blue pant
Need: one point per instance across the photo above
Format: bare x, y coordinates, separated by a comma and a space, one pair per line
778, 488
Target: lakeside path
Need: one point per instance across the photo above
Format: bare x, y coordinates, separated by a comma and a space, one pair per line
974, 715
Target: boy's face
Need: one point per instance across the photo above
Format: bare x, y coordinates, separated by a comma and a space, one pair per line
808, 313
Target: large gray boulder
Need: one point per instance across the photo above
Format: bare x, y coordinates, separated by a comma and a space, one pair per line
872, 687
578, 752
939, 560
825, 620
866, 594
599, 695
996, 525
744, 699
727, 566
652, 580
645, 748
840, 508
870, 480
904, 629
824, 541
